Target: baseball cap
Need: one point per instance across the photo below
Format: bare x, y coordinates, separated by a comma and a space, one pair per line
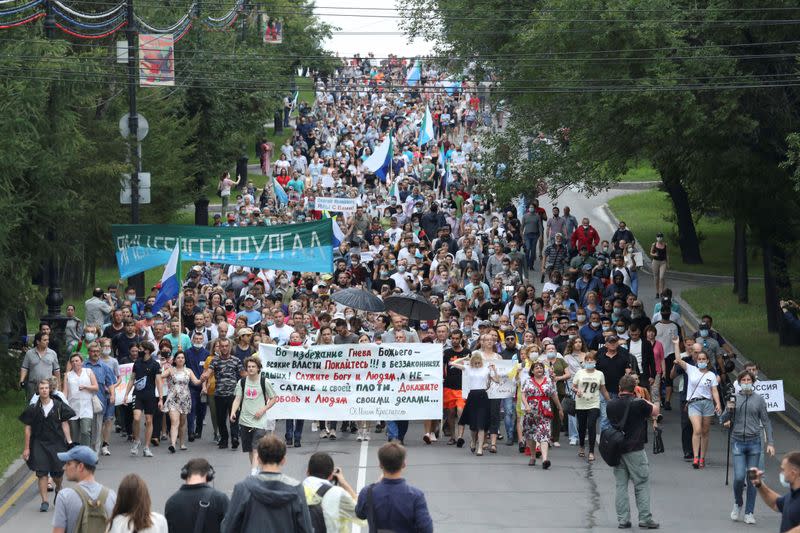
250, 297
484, 323
245, 331
217, 215
461, 297
612, 338
587, 268
81, 454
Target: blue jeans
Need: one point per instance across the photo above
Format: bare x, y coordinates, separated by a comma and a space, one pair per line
573, 428
396, 429
604, 423
531, 240
194, 422
294, 430
509, 418
746, 454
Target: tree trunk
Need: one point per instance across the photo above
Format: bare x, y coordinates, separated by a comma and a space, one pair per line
687, 233
770, 287
735, 257
740, 250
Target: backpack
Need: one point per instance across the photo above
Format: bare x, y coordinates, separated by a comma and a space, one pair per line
317, 517
612, 439
263, 392
92, 517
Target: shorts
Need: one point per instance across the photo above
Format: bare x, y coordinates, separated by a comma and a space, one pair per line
108, 412
704, 407
54, 475
249, 436
146, 403
453, 399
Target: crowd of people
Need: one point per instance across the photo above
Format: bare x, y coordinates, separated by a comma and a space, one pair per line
580, 336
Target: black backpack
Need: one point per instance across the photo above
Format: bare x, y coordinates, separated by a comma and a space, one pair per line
612, 440
317, 517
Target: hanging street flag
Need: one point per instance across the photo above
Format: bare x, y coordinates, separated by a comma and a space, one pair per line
302, 247
280, 193
426, 128
156, 60
170, 281
294, 100
414, 74
271, 29
380, 162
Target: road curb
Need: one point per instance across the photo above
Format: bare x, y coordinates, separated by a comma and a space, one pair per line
12, 477
636, 185
792, 411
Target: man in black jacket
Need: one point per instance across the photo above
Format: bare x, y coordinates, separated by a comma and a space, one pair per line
642, 352
614, 361
196, 501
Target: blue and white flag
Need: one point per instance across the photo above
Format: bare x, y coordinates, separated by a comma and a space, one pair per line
170, 281
414, 73
280, 194
380, 162
426, 128
521, 206
338, 235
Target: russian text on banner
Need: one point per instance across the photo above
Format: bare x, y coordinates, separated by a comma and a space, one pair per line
303, 247
355, 381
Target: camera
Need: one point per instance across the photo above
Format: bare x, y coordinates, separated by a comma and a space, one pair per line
752, 474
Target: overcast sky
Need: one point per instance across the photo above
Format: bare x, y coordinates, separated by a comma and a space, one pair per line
354, 21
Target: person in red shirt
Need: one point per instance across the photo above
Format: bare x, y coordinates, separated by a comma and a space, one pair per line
585, 235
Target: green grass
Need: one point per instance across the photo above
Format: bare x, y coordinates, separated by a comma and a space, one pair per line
12, 404
649, 212
641, 171
745, 326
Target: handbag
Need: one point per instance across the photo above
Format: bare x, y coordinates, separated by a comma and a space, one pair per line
568, 404
547, 413
658, 442
97, 405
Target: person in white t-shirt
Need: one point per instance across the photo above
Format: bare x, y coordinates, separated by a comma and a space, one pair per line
702, 397
588, 384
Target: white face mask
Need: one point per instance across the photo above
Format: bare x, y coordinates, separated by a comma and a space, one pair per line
785, 483
106, 351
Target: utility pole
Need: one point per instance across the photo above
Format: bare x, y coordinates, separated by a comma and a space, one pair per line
131, 31
54, 298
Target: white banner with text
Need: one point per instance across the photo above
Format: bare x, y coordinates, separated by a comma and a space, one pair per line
355, 381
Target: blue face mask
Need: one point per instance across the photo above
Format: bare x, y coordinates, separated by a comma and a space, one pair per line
606, 328
704, 333
589, 366
702, 365
595, 324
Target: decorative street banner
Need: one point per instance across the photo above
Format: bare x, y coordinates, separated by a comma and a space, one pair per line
156, 60
341, 205
505, 389
771, 391
355, 381
271, 29
302, 247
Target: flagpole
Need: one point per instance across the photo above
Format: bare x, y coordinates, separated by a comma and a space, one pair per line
179, 275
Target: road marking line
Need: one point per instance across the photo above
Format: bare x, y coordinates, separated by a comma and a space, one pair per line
362, 474
17, 494
789, 421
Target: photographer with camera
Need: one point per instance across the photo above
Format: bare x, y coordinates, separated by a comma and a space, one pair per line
331, 499
790, 311
745, 414
788, 504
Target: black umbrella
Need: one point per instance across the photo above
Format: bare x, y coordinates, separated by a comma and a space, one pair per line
413, 306
360, 299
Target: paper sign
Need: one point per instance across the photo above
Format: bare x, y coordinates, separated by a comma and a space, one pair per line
392, 381
771, 391
337, 205
505, 389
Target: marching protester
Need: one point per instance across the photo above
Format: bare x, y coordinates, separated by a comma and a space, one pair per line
746, 415
145, 380
254, 397
476, 413
539, 397
80, 386
588, 384
179, 400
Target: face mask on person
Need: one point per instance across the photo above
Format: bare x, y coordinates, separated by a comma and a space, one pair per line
702, 365
131, 297
384, 274
606, 328
581, 318
165, 354
534, 356
616, 311
401, 269
229, 307
704, 333
551, 355
106, 351
90, 337
467, 331
746, 387
783, 481
270, 322
494, 317
572, 336
589, 366
197, 345
595, 324
620, 329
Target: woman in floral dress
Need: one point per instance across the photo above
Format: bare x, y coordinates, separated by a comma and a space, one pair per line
538, 396
179, 401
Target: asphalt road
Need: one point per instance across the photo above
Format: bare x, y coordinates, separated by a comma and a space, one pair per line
477, 494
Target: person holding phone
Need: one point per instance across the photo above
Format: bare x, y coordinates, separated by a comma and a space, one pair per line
788, 504
747, 413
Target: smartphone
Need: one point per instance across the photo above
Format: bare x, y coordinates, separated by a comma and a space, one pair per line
752, 474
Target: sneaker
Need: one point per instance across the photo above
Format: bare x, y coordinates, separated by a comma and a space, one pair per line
43, 508
433, 437
359, 437
324, 434
105, 451
735, 513
749, 518
135, 448
147, 453
314, 427
366, 434
297, 444
573, 442
650, 524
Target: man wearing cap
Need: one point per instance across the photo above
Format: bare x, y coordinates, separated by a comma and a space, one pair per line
614, 361
249, 312
79, 467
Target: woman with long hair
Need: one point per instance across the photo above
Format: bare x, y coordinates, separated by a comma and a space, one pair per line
132, 512
588, 384
80, 385
179, 400
574, 355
